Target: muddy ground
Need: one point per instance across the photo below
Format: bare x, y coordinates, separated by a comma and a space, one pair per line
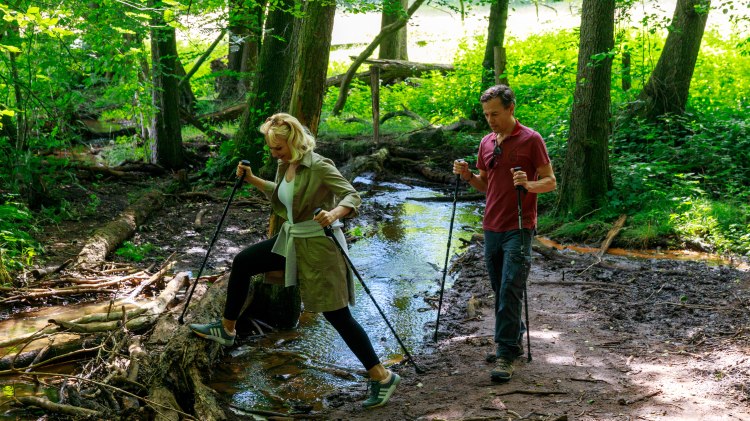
620, 340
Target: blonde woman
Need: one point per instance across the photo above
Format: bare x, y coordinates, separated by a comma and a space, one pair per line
304, 182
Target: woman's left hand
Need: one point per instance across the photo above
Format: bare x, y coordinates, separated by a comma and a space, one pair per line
325, 218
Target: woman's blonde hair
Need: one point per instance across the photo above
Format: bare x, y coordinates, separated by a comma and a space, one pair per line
283, 126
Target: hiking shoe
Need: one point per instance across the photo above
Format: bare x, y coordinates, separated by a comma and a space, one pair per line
492, 357
213, 331
503, 371
379, 392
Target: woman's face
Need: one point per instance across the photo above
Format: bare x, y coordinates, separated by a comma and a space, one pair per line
280, 149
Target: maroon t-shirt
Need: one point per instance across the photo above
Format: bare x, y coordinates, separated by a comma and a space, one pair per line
523, 148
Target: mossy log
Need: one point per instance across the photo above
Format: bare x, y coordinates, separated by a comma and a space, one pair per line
107, 238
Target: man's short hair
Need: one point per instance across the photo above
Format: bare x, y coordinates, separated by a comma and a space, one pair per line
506, 95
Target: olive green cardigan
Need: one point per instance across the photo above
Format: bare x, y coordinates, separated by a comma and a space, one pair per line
322, 274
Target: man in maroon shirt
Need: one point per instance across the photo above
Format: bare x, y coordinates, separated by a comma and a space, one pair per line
506, 248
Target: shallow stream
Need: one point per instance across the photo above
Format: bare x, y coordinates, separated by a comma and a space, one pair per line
401, 258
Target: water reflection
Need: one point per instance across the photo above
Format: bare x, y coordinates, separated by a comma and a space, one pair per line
401, 262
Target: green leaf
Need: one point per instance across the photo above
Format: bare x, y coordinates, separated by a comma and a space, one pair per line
10, 48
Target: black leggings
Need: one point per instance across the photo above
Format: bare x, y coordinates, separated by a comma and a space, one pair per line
258, 259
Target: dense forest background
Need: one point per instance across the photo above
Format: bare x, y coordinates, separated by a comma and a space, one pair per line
645, 114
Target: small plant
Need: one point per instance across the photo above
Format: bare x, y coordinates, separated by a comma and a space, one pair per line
17, 247
135, 253
93, 205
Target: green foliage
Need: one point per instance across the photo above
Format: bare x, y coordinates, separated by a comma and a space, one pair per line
135, 253
17, 247
125, 148
682, 179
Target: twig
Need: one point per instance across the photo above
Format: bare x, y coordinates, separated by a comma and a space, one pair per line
703, 307
117, 389
581, 283
531, 392
607, 290
588, 380
622, 401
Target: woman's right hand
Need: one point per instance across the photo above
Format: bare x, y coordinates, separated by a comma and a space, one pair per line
244, 171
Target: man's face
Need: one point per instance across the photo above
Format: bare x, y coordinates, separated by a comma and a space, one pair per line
497, 115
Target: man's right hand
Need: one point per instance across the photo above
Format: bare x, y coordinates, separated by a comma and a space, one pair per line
461, 168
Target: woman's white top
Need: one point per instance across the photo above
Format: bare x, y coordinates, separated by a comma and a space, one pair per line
286, 196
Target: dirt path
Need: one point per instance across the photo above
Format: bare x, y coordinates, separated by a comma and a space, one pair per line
592, 358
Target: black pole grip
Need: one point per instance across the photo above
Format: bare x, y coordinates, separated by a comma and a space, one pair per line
521, 188
328, 230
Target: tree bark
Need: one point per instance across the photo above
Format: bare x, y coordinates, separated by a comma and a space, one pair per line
245, 32
107, 238
498, 22
586, 176
184, 360
394, 45
272, 79
667, 89
166, 147
309, 77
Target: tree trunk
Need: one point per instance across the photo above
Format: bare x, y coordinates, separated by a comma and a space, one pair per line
495, 38
586, 176
309, 77
187, 97
272, 78
166, 146
245, 31
395, 26
394, 45
667, 89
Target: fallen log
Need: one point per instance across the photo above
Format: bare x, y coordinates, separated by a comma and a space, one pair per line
47, 405
177, 371
108, 237
423, 170
405, 112
463, 198
373, 162
64, 351
393, 70
136, 320
227, 114
199, 124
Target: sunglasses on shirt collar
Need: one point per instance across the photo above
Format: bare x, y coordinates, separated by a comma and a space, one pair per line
497, 152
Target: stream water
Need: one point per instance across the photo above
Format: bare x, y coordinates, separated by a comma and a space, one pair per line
401, 259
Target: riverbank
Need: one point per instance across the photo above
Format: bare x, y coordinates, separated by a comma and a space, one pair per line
623, 340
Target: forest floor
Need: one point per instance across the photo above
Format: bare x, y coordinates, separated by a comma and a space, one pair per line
624, 339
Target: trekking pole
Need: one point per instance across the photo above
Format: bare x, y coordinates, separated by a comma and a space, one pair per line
520, 189
447, 254
237, 184
329, 233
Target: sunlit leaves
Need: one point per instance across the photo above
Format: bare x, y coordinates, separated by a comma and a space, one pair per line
10, 48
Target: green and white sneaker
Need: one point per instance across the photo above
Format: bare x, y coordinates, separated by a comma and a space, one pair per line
213, 331
379, 392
